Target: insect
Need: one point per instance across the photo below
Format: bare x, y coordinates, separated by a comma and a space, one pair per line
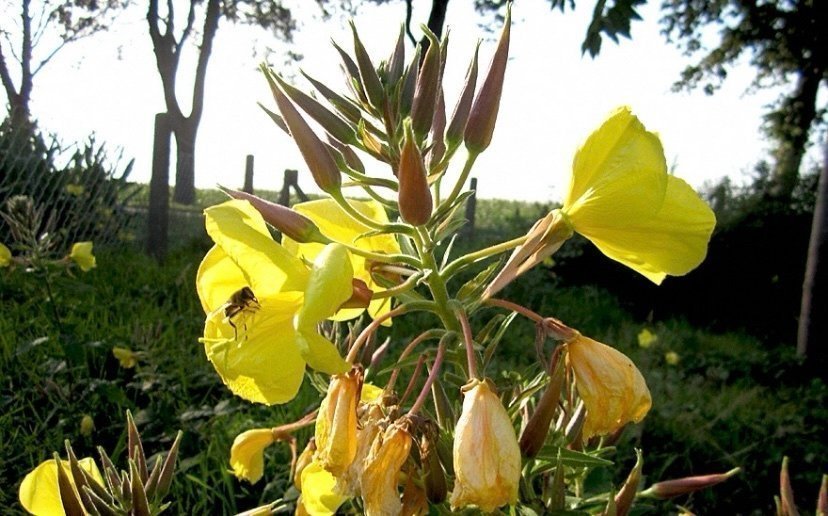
240, 302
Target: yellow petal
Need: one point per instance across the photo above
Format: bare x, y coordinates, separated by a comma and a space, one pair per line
260, 360
218, 277
318, 495
612, 388
330, 284
5, 256
240, 231
81, 254
370, 393
673, 242
39, 492
486, 452
247, 453
619, 171
380, 480
320, 353
336, 423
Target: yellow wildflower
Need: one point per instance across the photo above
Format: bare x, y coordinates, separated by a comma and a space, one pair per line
87, 425
672, 358
486, 452
388, 453
247, 453
336, 423
74, 189
263, 305
612, 388
646, 338
5, 256
340, 227
81, 254
623, 200
39, 493
125, 356
319, 497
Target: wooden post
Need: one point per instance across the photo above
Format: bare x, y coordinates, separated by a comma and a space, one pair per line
290, 179
159, 194
471, 208
248, 175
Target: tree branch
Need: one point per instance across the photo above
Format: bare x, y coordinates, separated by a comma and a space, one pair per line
211, 20
5, 77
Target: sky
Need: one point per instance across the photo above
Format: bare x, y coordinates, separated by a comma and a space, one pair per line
553, 96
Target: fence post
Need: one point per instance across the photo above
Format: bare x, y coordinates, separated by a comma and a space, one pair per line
248, 174
471, 208
291, 177
159, 192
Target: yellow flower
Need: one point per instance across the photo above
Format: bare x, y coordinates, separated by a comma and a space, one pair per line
340, 227
82, 255
336, 423
74, 189
5, 256
87, 425
127, 358
622, 199
613, 390
486, 452
247, 453
646, 338
263, 305
319, 496
350, 482
672, 358
39, 493
388, 453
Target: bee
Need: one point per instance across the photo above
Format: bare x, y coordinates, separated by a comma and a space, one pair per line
242, 301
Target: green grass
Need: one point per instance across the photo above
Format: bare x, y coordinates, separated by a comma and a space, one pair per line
731, 400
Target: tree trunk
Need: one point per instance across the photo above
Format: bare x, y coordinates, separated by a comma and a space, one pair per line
790, 126
185, 137
437, 17
813, 323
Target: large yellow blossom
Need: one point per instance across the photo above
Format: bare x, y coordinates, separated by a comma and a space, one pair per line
340, 227
263, 305
613, 390
39, 493
622, 199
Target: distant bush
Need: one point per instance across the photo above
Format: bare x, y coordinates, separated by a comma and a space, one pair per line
81, 197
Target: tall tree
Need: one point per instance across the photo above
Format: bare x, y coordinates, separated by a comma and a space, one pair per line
168, 45
44, 28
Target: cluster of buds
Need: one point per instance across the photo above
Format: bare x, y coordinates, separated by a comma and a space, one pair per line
79, 486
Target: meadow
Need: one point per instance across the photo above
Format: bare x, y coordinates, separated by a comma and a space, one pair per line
721, 399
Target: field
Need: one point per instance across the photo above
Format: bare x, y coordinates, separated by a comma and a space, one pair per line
728, 400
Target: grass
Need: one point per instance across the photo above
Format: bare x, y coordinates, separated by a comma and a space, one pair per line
731, 400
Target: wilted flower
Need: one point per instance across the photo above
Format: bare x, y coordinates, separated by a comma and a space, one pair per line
389, 452
612, 388
39, 493
486, 452
127, 358
5, 256
87, 425
622, 199
82, 255
336, 423
247, 453
263, 305
646, 338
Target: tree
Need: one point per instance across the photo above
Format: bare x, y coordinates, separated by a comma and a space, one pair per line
168, 47
45, 28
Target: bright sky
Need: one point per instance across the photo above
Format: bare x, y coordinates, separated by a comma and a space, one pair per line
553, 97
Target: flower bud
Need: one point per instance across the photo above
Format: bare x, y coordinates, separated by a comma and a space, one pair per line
82, 255
345, 107
336, 423
682, 486
486, 453
786, 496
414, 196
334, 125
247, 453
316, 156
612, 388
483, 116
409, 84
367, 73
396, 64
389, 452
534, 435
822, 498
348, 154
361, 297
457, 126
428, 86
287, 221
625, 496
5, 256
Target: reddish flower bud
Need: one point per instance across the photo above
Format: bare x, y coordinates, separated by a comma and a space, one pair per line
396, 64
786, 496
409, 84
334, 125
483, 116
428, 86
457, 126
414, 196
367, 72
361, 296
686, 485
626, 495
534, 435
319, 161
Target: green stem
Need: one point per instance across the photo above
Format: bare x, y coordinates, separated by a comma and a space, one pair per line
384, 258
435, 281
399, 289
359, 217
368, 180
469, 259
461, 181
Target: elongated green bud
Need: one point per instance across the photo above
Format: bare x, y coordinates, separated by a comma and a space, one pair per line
367, 72
483, 116
288, 222
319, 161
347, 108
351, 158
457, 126
438, 145
396, 64
626, 495
414, 196
428, 85
334, 125
682, 486
279, 121
409, 84
534, 435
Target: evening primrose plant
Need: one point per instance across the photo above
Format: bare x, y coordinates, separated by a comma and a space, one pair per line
378, 247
